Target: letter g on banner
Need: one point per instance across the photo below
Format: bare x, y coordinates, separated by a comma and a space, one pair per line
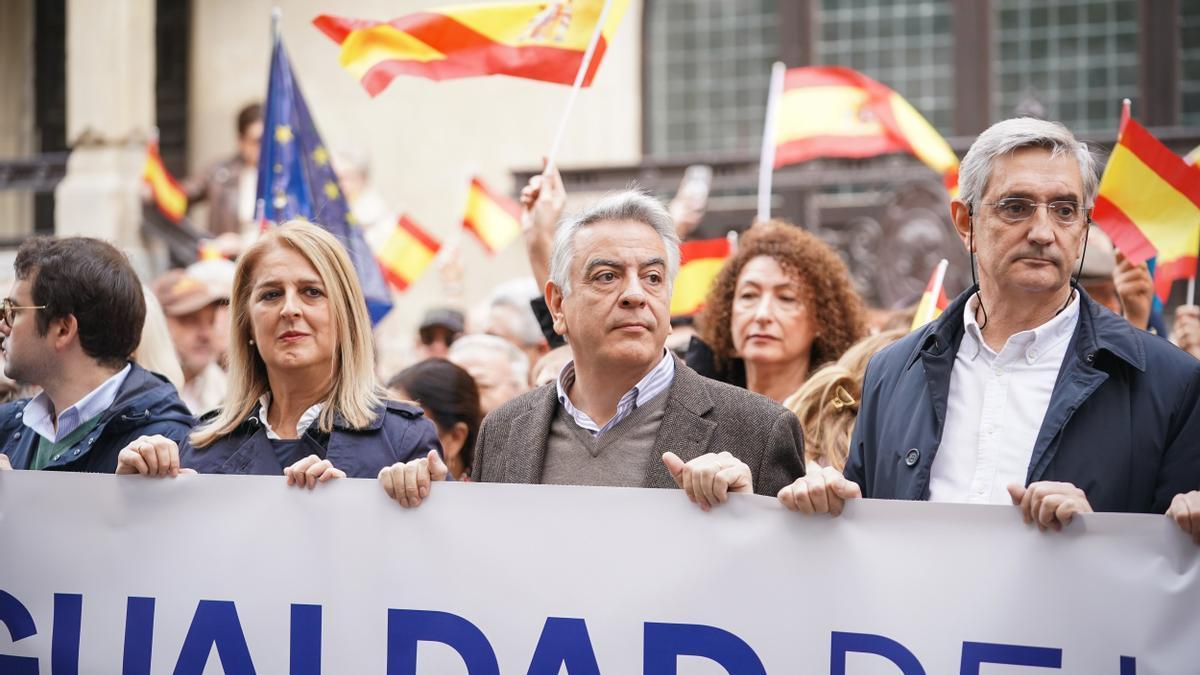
20, 626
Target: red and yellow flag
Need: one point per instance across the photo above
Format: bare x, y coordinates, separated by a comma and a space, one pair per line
168, 196
933, 300
1149, 204
542, 40
493, 218
408, 251
699, 263
831, 111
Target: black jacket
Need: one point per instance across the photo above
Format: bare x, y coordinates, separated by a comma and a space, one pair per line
1123, 423
146, 404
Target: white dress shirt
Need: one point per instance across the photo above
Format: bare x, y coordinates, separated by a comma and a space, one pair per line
995, 409
306, 418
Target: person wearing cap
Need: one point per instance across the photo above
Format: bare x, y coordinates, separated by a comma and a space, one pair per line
191, 306
1025, 391
439, 328
70, 325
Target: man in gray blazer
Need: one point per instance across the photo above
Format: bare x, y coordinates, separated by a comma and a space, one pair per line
624, 412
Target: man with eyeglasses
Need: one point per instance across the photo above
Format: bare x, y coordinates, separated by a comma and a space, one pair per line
1025, 391
69, 325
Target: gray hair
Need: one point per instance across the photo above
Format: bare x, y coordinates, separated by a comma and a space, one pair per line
517, 361
516, 295
1003, 138
632, 205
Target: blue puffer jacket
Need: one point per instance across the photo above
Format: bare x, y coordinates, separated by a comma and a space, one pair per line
1123, 423
146, 404
400, 433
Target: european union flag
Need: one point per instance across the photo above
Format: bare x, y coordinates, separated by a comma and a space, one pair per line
296, 179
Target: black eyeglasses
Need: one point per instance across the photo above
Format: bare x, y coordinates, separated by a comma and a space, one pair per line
1020, 209
8, 309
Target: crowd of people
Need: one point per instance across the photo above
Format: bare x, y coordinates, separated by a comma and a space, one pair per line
1047, 385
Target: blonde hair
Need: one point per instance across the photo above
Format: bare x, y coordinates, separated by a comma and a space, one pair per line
354, 391
156, 352
827, 403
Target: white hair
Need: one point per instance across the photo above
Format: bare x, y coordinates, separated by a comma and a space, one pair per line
516, 295
491, 344
1003, 138
632, 205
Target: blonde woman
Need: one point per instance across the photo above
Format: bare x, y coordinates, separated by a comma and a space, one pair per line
302, 399
827, 403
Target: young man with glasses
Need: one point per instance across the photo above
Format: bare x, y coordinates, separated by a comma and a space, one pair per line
1025, 391
69, 325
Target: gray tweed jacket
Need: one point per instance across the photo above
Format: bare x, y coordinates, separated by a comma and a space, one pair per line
702, 416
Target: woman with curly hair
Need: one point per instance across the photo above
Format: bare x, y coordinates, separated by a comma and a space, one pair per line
780, 308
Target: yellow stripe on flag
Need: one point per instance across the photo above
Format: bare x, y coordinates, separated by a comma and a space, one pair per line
927, 144
364, 48
1161, 212
491, 222
824, 111
692, 285
509, 23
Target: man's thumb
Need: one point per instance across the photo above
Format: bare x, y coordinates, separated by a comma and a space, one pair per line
674, 464
1017, 493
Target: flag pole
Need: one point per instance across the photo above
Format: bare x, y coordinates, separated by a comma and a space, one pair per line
766, 162
583, 68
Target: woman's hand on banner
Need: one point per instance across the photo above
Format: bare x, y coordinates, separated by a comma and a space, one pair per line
310, 471
410, 482
824, 491
710, 478
151, 456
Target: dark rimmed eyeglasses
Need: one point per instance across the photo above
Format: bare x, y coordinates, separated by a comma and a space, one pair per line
1019, 209
9, 309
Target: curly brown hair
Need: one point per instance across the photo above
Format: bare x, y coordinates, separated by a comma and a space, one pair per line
837, 311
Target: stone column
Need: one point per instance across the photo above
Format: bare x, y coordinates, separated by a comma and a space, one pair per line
110, 116
16, 110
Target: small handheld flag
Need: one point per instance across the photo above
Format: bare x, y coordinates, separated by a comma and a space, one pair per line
831, 111
933, 300
699, 263
406, 254
1149, 205
168, 196
494, 219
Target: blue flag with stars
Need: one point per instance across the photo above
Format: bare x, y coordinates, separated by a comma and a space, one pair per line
296, 179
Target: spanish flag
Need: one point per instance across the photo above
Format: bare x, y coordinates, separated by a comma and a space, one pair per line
542, 40
699, 263
493, 218
168, 196
933, 300
1149, 204
831, 111
406, 254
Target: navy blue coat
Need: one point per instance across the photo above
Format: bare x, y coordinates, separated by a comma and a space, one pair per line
1123, 423
146, 404
400, 433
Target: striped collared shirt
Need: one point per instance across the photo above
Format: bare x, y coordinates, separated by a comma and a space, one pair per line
39, 412
657, 381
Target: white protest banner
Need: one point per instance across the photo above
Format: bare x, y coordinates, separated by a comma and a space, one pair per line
210, 574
